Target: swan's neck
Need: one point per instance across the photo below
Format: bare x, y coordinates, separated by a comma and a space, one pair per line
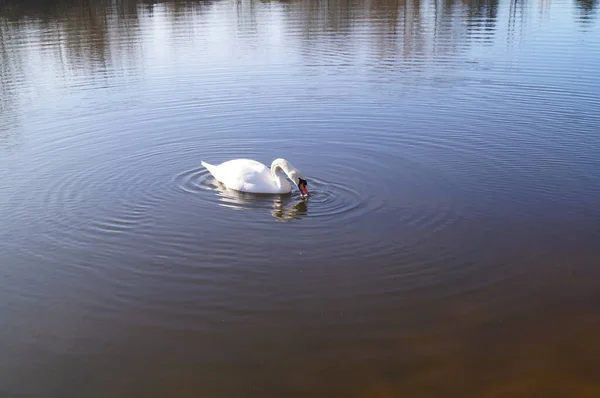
281, 168
278, 176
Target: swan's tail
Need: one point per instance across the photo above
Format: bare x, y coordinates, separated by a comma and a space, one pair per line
212, 169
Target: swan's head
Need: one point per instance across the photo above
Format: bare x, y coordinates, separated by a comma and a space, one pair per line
302, 186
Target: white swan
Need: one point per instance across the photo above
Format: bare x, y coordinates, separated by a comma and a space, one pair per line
251, 176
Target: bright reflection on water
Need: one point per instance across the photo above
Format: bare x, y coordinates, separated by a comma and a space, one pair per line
449, 249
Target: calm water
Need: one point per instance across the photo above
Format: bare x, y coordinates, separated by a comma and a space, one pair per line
450, 248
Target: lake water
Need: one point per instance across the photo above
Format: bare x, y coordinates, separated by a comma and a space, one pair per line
450, 247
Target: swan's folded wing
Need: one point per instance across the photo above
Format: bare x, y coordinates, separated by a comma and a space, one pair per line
244, 175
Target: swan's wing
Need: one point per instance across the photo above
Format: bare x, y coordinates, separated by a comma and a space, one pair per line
244, 175
233, 169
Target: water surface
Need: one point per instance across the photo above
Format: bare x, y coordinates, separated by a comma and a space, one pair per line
450, 247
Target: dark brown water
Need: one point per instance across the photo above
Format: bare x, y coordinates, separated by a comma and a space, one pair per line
450, 249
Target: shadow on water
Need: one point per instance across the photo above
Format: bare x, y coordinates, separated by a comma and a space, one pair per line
97, 40
587, 10
89, 39
408, 20
482, 19
11, 67
89, 43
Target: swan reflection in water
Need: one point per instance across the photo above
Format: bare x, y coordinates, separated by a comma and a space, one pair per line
290, 211
284, 208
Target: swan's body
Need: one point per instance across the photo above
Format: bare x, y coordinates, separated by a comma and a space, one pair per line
251, 176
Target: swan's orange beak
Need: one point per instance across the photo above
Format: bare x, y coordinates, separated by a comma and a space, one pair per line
302, 186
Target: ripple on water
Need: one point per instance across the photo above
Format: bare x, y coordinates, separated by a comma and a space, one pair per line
147, 195
327, 199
